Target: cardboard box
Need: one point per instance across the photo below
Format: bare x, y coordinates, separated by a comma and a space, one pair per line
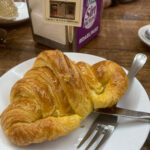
65, 24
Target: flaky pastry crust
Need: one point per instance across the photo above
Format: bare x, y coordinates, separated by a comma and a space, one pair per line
54, 97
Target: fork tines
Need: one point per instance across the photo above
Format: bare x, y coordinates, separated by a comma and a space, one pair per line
103, 126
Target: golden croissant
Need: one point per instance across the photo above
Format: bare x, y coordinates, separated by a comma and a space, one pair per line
54, 97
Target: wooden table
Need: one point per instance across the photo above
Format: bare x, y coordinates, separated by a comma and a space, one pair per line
117, 41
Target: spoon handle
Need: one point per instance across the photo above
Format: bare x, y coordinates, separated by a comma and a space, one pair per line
137, 64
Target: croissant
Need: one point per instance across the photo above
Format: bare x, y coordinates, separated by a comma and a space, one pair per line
54, 97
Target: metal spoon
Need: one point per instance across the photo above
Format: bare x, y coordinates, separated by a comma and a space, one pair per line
137, 64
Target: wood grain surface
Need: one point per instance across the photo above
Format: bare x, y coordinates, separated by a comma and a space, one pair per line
117, 41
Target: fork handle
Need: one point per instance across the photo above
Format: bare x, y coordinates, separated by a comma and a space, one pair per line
122, 112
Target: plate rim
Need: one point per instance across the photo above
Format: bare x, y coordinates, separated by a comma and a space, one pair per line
141, 35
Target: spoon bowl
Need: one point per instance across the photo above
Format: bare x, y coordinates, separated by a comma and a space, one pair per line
138, 62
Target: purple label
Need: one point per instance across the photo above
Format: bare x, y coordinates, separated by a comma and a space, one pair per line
90, 22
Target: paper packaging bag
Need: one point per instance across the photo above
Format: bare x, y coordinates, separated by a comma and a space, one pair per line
64, 24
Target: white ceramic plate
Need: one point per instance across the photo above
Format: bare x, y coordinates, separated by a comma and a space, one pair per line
129, 135
141, 34
22, 14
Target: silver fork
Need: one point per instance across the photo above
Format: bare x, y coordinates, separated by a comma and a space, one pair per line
104, 124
